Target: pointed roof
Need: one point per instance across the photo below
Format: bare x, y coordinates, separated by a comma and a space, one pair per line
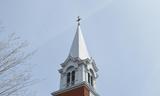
79, 48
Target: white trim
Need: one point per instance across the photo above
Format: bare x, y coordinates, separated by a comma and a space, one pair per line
74, 87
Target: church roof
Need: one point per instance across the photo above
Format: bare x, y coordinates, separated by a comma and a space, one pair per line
79, 48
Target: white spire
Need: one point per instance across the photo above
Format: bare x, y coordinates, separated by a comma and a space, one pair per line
79, 48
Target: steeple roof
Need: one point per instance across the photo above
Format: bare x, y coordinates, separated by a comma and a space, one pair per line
79, 48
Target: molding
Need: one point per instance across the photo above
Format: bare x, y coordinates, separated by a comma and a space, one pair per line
94, 65
74, 87
75, 59
80, 61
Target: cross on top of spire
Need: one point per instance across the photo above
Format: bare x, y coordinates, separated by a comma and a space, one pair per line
79, 48
78, 20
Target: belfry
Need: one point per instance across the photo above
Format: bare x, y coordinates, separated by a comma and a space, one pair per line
79, 71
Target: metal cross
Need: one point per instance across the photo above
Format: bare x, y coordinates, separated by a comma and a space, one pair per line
78, 19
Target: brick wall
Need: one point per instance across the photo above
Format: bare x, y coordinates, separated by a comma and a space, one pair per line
81, 91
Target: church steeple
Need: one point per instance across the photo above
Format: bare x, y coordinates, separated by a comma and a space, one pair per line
79, 48
78, 72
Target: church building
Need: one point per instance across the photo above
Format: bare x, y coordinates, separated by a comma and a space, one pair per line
78, 72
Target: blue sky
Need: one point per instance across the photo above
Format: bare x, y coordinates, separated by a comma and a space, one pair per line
122, 36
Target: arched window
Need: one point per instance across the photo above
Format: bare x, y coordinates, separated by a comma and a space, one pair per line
92, 77
92, 80
89, 78
73, 77
68, 78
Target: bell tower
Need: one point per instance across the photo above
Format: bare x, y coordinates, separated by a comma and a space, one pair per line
78, 72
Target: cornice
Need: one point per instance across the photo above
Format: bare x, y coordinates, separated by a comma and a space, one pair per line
74, 87
75, 59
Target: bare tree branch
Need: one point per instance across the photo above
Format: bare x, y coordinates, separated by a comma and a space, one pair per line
12, 57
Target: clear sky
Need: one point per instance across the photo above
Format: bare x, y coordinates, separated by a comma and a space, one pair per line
123, 36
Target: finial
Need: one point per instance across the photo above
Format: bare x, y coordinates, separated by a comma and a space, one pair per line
78, 20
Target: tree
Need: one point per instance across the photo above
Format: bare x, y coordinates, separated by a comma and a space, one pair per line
14, 75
